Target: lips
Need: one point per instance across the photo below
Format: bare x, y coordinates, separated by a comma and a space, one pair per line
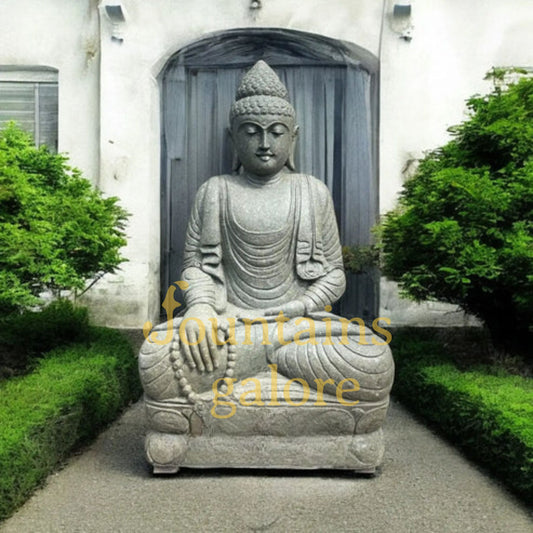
265, 156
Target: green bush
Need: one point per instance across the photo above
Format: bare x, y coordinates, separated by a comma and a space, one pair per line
56, 230
73, 393
29, 334
486, 411
359, 259
463, 231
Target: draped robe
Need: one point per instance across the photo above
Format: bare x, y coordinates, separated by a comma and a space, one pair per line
253, 270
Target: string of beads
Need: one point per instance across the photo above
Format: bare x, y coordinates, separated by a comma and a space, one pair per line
178, 363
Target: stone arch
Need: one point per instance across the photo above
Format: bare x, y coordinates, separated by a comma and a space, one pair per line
334, 87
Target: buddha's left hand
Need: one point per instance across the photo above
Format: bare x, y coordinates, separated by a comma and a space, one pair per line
291, 309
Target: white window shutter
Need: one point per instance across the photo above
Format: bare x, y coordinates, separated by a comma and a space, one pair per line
34, 106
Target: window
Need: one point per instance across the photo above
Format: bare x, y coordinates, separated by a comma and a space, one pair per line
29, 97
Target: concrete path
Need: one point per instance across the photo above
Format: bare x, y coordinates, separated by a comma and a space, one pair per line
426, 486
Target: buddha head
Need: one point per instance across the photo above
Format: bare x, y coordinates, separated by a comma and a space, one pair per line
262, 124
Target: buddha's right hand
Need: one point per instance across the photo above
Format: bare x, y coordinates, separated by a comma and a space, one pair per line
196, 340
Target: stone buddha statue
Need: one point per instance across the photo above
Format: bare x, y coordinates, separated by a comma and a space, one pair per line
260, 373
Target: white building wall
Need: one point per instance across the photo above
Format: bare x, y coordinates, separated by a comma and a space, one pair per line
425, 81
63, 35
109, 101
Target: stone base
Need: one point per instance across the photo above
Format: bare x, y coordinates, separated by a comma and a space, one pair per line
320, 433
360, 453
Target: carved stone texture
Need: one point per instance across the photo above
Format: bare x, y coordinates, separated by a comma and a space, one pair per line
259, 372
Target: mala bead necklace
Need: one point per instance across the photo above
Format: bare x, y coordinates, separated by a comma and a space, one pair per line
177, 364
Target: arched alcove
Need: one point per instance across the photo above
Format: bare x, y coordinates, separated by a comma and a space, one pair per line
333, 86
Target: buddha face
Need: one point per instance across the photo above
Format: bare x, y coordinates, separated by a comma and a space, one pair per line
263, 143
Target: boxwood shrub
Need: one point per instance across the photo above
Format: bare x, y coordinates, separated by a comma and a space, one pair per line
72, 393
28, 335
485, 410
463, 229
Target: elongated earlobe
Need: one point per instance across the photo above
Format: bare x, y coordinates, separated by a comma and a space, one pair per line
290, 162
235, 163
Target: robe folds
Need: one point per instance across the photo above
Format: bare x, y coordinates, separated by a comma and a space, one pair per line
302, 260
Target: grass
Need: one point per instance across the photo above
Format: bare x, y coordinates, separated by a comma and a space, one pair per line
72, 393
484, 409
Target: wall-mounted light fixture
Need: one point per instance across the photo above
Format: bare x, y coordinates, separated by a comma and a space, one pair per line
401, 19
255, 4
115, 13
402, 8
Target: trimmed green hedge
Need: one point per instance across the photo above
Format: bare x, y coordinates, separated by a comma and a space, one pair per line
486, 411
58, 324
73, 392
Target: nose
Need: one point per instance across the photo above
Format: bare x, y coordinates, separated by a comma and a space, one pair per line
265, 144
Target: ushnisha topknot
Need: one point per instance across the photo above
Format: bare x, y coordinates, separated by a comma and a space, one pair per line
261, 80
261, 93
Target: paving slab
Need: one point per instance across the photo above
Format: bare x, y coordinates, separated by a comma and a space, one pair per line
425, 486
